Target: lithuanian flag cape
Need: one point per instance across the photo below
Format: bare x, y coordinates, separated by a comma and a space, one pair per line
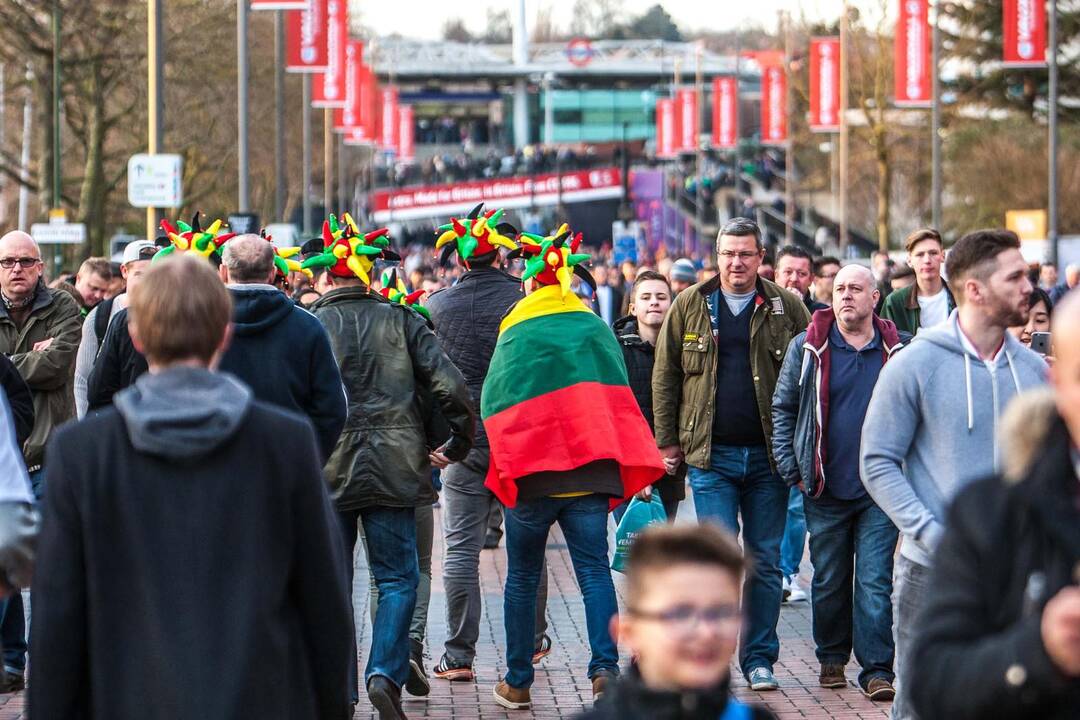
556, 397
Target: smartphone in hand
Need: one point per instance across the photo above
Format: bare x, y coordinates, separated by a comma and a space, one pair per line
1040, 342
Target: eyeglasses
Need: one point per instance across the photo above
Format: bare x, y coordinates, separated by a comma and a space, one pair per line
24, 262
685, 618
745, 255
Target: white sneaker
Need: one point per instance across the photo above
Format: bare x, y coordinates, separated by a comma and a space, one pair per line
786, 585
795, 593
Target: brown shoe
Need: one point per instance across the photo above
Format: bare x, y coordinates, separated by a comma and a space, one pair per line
832, 676
511, 698
880, 689
601, 682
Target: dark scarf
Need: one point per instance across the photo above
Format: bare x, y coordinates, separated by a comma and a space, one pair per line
10, 304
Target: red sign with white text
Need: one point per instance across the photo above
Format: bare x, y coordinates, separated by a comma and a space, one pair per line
912, 72
1024, 33
305, 38
825, 84
406, 143
773, 105
389, 120
686, 104
666, 128
725, 113
515, 192
349, 116
279, 4
328, 89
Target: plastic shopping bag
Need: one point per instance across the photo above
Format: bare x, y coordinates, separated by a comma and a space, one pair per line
639, 515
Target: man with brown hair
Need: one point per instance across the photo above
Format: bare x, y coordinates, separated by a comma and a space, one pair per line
928, 302
155, 530
930, 425
93, 282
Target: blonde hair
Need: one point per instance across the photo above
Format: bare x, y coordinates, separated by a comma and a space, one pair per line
180, 310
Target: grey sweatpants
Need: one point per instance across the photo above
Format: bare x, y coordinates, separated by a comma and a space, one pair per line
466, 506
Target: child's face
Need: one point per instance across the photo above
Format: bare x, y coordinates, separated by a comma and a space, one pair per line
684, 626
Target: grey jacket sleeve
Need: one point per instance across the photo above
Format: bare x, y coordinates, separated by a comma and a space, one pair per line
892, 420
785, 411
84, 362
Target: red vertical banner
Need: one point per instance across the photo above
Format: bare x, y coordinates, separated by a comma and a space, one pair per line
1024, 33
389, 120
280, 4
773, 105
825, 84
406, 144
912, 72
686, 107
666, 128
725, 113
328, 89
369, 103
349, 116
305, 38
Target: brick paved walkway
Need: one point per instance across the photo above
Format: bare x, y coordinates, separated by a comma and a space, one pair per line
561, 688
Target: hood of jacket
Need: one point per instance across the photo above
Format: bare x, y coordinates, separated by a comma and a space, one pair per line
183, 413
821, 322
256, 308
631, 697
1024, 430
626, 329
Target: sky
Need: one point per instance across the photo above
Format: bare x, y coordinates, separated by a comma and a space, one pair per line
424, 19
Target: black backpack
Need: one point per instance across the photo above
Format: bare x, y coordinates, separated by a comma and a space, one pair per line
101, 319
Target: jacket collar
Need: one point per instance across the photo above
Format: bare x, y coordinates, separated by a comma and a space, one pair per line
43, 298
768, 293
913, 296
626, 330
341, 294
1051, 488
631, 692
817, 334
483, 274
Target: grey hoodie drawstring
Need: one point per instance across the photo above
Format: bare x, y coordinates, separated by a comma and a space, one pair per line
1012, 370
967, 383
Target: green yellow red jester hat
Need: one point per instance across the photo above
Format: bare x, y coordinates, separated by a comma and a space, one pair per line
347, 252
554, 259
478, 236
192, 238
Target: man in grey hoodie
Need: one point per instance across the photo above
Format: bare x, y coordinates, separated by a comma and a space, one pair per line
930, 427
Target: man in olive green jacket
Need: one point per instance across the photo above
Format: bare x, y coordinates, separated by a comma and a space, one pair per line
40, 330
717, 360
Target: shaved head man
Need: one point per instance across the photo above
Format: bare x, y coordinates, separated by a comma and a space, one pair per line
20, 260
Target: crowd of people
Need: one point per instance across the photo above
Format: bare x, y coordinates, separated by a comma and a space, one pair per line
194, 441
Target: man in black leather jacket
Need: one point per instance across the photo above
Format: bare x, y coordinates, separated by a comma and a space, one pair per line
380, 470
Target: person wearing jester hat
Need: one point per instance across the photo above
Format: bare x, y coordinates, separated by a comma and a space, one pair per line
380, 470
466, 319
568, 443
279, 350
118, 363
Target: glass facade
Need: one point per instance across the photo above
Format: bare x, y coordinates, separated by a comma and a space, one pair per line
596, 115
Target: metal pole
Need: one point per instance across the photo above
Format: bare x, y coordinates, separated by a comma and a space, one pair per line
935, 119
56, 203
1052, 205
242, 102
24, 160
328, 159
843, 160
699, 91
789, 150
549, 112
738, 111
305, 162
280, 184
153, 100
3, 136
342, 194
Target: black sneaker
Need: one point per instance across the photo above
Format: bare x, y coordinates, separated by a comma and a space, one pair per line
446, 670
417, 683
12, 682
385, 698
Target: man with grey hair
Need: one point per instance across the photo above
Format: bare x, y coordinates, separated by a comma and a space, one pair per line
281, 351
825, 385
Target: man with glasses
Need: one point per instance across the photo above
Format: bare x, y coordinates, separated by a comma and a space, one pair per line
39, 330
717, 360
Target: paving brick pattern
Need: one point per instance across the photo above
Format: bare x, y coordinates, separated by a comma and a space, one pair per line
561, 689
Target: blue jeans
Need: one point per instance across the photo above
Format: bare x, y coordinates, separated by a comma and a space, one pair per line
391, 555
12, 614
741, 481
794, 542
584, 524
851, 545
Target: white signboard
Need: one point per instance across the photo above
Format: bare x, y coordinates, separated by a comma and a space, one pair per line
58, 233
283, 235
155, 181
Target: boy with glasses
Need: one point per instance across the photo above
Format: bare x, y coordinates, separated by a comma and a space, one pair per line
680, 625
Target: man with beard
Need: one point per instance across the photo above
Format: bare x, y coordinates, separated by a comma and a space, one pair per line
930, 425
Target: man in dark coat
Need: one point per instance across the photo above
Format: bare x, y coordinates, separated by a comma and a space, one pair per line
279, 350
380, 471
188, 565
999, 635
650, 300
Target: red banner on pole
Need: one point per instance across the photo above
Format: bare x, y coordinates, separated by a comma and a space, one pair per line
912, 75
686, 101
1024, 33
406, 145
349, 116
825, 84
389, 121
306, 39
725, 113
328, 90
666, 130
279, 4
773, 106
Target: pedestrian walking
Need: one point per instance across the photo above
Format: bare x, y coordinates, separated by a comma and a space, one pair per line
928, 301
717, 359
